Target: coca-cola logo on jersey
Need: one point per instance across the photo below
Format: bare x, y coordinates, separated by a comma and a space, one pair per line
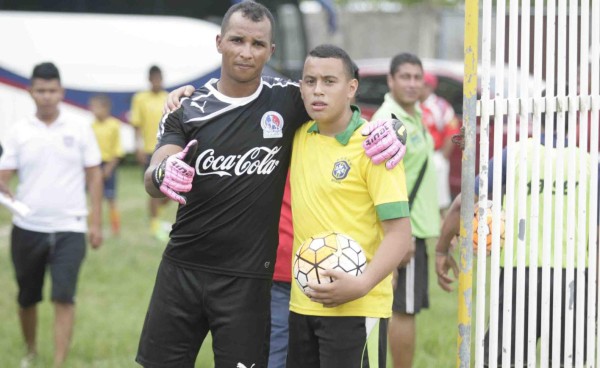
251, 162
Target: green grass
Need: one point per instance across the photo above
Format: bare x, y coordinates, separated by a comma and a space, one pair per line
114, 290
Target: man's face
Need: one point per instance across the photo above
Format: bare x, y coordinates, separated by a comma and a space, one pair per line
46, 93
245, 48
326, 88
406, 84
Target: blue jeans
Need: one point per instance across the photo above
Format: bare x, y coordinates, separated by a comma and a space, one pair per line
280, 311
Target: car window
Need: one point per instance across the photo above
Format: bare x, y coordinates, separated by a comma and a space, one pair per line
371, 89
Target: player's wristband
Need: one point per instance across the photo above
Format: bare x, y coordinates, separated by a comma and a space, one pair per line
399, 129
441, 254
158, 174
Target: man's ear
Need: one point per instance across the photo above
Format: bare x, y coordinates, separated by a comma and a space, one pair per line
218, 40
272, 50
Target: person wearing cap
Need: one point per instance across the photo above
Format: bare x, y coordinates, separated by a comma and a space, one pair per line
440, 119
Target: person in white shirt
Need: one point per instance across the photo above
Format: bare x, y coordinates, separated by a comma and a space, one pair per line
55, 157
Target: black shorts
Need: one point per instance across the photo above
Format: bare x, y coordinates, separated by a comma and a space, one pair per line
539, 314
336, 342
187, 303
412, 289
32, 252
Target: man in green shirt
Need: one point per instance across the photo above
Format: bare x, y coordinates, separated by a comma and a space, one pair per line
405, 81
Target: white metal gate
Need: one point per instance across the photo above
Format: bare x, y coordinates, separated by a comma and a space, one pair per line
559, 41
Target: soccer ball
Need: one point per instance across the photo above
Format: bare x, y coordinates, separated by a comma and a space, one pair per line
489, 222
325, 251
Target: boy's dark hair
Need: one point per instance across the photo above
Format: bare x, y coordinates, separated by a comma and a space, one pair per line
250, 10
102, 98
46, 70
404, 58
331, 51
154, 70
355, 71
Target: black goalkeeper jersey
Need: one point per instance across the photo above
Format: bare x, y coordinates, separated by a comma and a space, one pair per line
230, 222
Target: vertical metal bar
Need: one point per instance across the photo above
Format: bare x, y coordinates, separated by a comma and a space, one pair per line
465, 278
592, 340
522, 218
484, 137
497, 185
547, 183
559, 197
535, 188
581, 189
513, 108
568, 304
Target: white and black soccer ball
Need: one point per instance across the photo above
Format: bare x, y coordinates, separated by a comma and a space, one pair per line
324, 251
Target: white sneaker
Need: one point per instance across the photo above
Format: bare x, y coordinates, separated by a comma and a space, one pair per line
28, 360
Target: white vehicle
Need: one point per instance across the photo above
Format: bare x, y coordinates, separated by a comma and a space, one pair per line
98, 53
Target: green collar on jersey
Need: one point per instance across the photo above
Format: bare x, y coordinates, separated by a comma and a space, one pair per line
344, 137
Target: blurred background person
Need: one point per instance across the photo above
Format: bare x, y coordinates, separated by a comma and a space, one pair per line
145, 115
405, 83
108, 134
440, 119
55, 157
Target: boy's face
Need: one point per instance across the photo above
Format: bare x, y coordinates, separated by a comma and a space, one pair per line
156, 81
326, 88
46, 93
99, 108
406, 84
245, 48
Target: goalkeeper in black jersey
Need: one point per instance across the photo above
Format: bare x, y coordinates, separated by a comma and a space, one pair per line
216, 271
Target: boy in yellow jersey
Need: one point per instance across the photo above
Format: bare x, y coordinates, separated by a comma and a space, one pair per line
335, 187
108, 134
146, 112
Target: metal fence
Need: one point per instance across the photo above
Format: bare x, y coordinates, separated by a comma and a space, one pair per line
548, 195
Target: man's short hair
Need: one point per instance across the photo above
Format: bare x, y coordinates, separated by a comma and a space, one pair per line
327, 51
45, 70
154, 70
404, 58
250, 10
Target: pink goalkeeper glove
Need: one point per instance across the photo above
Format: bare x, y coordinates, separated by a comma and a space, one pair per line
386, 141
174, 175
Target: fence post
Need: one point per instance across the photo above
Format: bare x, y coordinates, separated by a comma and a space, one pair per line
465, 278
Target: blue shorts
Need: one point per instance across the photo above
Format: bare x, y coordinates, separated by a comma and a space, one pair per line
32, 252
110, 184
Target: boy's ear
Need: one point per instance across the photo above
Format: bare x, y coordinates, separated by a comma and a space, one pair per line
352, 87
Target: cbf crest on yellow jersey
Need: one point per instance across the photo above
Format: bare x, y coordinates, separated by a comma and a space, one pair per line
336, 187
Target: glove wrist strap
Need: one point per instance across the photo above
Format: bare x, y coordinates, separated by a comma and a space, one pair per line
158, 174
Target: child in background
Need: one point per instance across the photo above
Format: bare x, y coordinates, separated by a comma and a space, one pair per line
107, 131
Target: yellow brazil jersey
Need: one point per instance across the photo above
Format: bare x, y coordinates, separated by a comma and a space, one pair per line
108, 135
336, 187
146, 112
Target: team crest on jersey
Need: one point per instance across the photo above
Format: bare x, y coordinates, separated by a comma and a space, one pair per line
68, 140
272, 124
340, 170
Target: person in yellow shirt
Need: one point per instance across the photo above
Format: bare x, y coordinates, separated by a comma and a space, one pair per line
145, 115
108, 134
335, 187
